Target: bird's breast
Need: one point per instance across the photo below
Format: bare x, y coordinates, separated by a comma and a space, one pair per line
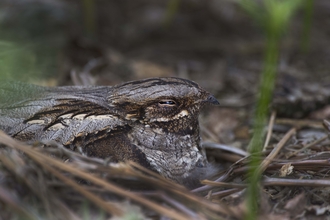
172, 155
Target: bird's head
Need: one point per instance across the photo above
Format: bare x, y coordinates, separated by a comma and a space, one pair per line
161, 100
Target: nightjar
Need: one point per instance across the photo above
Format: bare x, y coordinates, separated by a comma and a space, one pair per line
153, 122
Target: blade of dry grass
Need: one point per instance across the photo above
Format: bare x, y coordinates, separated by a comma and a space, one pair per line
225, 193
8, 199
296, 182
16, 165
264, 164
233, 150
43, 159
310, 145
222, 184
220, 179
184, 193
270, 129
298, 123
105, 205
306, 164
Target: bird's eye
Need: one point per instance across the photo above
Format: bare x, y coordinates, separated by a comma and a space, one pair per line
168, 103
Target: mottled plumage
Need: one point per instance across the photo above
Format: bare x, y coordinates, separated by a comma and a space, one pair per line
153, 122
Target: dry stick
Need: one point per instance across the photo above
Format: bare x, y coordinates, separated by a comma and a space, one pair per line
264, 164
12, 202
177, 189
180, 190
295, 182
221, 178
326, 124
223, 184
9, 164
317, 156
225, 176
209, 133
179, 206
161, 194
267, 182
270, 129
107, 206
310, 164
12, 166
276, 182
234, 150
110, 208
299, 123
302, 164
164, 182
311, 144
5, 139
225, 193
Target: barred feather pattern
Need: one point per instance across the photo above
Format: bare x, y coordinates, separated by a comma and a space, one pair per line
153, 122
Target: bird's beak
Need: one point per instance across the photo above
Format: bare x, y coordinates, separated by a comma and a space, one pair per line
212, 100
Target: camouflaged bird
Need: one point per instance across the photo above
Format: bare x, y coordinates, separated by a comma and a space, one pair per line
153, 122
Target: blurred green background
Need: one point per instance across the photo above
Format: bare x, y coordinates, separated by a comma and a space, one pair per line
123, 40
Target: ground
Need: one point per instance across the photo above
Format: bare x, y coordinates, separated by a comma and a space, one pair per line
215, 43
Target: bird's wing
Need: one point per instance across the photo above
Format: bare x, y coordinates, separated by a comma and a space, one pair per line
63, 114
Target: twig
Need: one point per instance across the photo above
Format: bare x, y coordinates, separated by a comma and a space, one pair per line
180, 206
43, 159
296, 182
220, 179
181, 191
9, 200
311, 145
106, 205
223, 184
16, 168
275, 151
326, 125
225, 148
299, 123
274, 182
306, 163
270, 129
209, 133
225, 193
